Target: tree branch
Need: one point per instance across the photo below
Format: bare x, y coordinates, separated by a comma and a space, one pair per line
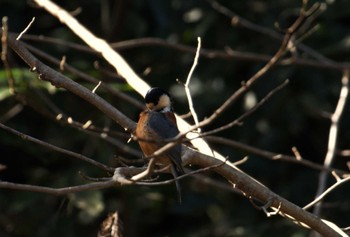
253, 189
332, 139
272, 155
187, 89
239, 21
227, 53
57, 149
60, 81
326, 192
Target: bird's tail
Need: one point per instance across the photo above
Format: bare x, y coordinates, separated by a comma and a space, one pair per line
176, 172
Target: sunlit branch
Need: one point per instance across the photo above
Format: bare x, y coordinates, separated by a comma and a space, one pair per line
326, 192
26, 29
271, 155
187, 84
332, 138
57, 79
86, 77
249, 83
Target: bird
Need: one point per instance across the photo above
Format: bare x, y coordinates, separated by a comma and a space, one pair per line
156, 124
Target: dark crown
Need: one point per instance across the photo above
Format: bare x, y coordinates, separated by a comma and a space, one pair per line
153, 95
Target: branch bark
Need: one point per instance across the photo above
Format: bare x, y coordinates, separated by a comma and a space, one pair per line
251, 188
60, 81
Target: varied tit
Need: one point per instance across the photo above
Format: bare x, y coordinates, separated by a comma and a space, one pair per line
156, 124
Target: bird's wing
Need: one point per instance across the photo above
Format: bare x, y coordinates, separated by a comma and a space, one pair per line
164, 125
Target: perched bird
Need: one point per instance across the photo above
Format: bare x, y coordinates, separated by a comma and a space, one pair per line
156, 124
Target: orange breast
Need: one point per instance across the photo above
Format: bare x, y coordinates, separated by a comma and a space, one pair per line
148, 140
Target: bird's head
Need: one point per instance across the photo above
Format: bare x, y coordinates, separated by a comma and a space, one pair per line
157, 99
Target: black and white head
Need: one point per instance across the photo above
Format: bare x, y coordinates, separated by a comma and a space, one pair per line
157, 99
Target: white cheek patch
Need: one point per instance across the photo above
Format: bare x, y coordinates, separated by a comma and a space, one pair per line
164, 102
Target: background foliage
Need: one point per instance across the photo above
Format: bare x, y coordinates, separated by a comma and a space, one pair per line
296, 116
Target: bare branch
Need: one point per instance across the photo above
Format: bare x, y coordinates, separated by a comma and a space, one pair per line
57, 191
237, 20
121, 177
326, 192
253, 189
332, 139
56, 148
271, 155
148, 171
11, 113
25, 29
99, 45
187, 89
240, 119
248, 84
86, 77
201, 170
96, 87
47, 74
227, 53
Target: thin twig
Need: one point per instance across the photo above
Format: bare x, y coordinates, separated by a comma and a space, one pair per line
56, 148
249, 83
16, 109
271, 155
148, 171
227, 54
238, 20
187, 89
332, 138
326, 192
201, 170
86, 77
58, 191
25, 29
96, 87
239, 120
57, 79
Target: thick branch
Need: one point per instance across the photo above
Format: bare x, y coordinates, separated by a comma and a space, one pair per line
253, 189
57, 79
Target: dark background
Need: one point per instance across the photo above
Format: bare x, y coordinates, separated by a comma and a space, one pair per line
296, 116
